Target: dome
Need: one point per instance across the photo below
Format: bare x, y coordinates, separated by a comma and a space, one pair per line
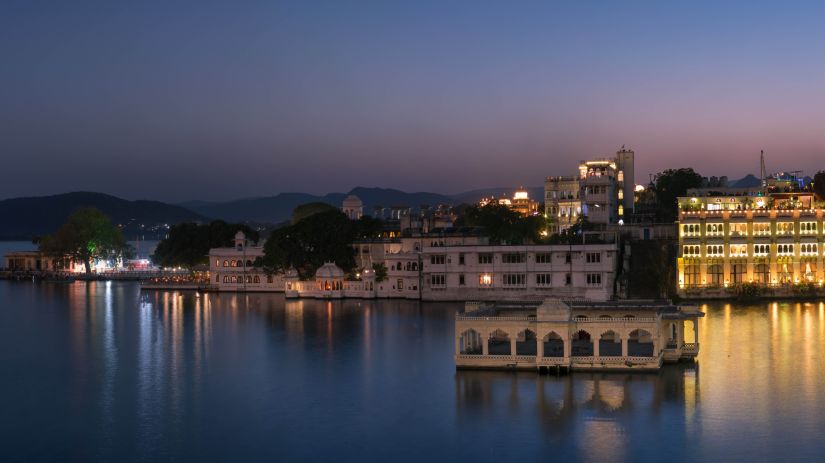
352, 201
329, 271
240, 235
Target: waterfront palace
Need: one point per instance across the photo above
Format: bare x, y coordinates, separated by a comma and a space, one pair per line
561, 335
750, 238
434, 266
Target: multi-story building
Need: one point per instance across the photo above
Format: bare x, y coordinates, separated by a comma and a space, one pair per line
520, 202
233, 268
603, 192
772, 240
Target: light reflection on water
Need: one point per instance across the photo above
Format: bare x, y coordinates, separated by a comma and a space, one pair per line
101, 371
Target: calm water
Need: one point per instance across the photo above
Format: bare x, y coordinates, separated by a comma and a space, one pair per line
99, 371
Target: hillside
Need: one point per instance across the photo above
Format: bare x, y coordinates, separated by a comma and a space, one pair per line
24, 218
278, 208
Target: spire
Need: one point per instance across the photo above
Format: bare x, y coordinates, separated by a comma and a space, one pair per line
762, 167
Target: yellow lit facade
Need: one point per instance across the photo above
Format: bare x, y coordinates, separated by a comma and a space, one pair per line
773, 241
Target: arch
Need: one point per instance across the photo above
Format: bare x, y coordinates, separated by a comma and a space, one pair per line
526, 343
249, 263
762, 273
256, 279
610, 344
630, 316
269, 278
226, 263
715, 274
581, 344
553, 345
470, 343
580, 317
605, 317
499, 343
640, 343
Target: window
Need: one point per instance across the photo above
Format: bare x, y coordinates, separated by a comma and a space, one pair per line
594, 279
226, 263
437, 259
715, 229
762, 273
514, 258
738, 229
486, 258
485, 279
784, 249
543, 257
217, 278
761, 228
808, 249
737, 273
461, 280
515, 279
807, 228
715, 250
690, 229
217, 263
738, 250
593, 257
761, 249
568, 279
784, 228
715, 274
543, 279
438, 280
690, 251
399, 284
256, 279
691, 275
567, 258
461, 259
269, 279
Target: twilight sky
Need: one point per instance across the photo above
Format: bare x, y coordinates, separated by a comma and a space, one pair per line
218, 100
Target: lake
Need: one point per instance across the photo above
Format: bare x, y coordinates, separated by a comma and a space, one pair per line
100, 371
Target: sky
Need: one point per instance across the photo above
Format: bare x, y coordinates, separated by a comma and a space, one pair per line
178, 101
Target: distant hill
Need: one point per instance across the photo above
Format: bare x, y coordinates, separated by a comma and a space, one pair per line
748, 181
278, 208
24, 218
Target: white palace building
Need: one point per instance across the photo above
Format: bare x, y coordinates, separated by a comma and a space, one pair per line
442, 265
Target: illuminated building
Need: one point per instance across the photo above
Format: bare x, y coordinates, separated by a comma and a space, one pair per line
602, 192
520, 202
577, 335
771, 240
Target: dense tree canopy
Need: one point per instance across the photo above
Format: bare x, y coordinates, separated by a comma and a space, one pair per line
504, 225
818, 185
305, 246
188, 243
671, 184
87, 235
305, 210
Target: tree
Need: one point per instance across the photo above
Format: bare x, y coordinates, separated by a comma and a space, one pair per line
818, 184
380, 272
308, 244
671, 184
305, 210
87, 235
188, 244
503, 224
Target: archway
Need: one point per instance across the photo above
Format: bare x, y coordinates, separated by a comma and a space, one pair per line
553, 345
610, 345
581, 345
640, 344
526, 343
470, 343
499, 343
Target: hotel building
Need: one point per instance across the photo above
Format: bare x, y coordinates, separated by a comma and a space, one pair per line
602, 192
771, 240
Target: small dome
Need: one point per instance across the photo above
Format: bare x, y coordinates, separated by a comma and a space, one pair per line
352, 201
329, 271
240, 235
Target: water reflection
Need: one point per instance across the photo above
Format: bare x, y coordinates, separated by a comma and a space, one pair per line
104, 371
